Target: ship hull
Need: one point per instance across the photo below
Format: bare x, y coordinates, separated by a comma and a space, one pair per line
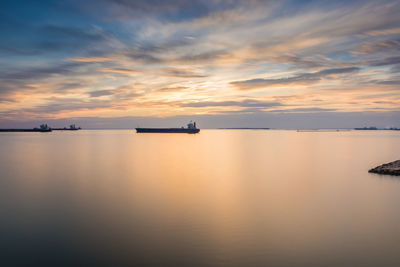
166, 130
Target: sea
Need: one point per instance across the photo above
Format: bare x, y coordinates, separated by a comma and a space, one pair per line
217, 198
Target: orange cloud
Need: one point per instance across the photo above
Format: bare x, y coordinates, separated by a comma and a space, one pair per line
119, 70
90, 59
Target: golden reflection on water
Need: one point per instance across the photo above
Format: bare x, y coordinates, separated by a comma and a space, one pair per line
219, 197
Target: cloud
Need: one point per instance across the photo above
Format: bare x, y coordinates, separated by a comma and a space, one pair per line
90, 59
36, 35
176, 10
125, 92
65, 33
383, 32
208, 56
143, 56
20, 51
328, 72
304, 110
387, 47
386, 102
182, 73
69, 87
386, 82
100, 93
58, 105
172, 52
118, 70
29, 73
8, 100
300, 61
395, 69
384, 61
172, 89
243, 103
300, 79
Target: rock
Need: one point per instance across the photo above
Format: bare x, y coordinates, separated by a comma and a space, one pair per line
392, 168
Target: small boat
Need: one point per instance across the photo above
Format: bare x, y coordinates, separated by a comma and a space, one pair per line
190, 129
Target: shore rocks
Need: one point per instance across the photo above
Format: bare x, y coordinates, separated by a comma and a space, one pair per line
392, 168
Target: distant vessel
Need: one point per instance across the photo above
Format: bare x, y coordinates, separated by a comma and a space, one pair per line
191, 128
72, 127
372, 128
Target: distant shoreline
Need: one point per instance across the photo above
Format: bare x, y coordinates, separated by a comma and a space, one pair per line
243, 128
22, 130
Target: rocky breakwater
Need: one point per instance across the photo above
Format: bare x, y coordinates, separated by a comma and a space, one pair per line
392, 168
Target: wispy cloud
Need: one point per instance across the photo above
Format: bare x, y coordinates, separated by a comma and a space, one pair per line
385, 61
243, 103
299, 79
90, 59
118, 70
100, 93
304, 110
173, 89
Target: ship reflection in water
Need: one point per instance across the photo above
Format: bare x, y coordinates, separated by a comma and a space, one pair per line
219, 198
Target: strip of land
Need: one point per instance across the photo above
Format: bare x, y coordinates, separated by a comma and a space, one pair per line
392, 168
43, 128
36, 130
245, 128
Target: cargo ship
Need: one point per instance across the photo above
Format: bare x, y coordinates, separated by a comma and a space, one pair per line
191, 128
72, 127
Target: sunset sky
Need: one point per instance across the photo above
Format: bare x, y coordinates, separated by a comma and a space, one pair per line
224, 63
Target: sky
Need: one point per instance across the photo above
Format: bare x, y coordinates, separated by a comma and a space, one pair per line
224, 63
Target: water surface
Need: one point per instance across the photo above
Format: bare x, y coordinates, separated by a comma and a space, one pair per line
221, 197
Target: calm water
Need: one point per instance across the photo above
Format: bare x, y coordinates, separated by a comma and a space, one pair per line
221, 197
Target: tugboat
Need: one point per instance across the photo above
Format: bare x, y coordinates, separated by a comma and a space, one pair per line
191, 128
